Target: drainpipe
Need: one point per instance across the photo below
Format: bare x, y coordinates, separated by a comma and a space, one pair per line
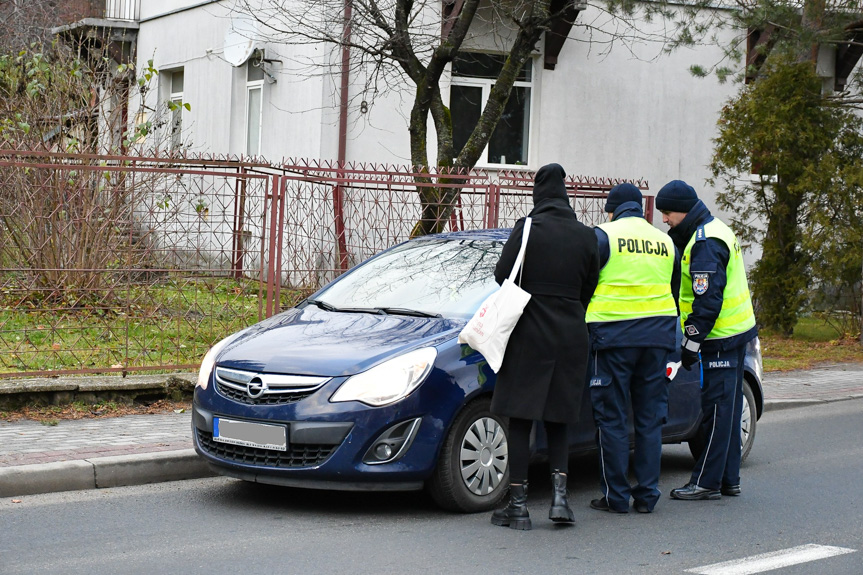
338, 195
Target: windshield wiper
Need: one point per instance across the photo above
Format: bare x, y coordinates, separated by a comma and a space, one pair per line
408, 311
330, 307
323, 305
373, 310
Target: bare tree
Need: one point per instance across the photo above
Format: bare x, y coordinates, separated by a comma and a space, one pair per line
410, 43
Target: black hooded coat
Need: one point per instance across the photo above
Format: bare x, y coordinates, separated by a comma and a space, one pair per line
543, 372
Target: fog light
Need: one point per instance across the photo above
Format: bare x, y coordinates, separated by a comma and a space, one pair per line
392, 443
383, 451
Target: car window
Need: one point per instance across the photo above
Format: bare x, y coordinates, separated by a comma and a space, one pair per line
447, 277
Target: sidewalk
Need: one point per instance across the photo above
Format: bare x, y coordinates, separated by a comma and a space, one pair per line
137, 449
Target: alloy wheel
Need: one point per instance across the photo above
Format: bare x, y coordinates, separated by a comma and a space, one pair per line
745, 422
484, 456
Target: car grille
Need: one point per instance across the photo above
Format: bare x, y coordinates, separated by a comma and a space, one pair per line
298, 455
269, 388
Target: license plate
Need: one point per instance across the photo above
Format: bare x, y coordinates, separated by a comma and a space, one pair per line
248, 434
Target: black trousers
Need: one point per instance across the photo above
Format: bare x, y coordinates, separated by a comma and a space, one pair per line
519, 447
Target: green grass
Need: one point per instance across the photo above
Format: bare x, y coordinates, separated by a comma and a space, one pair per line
174, 321
169, 323
813, 343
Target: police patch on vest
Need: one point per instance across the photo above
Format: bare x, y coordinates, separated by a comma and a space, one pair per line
691, 330
700, 283
718, 364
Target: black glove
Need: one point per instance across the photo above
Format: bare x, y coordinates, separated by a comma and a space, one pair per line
688, 358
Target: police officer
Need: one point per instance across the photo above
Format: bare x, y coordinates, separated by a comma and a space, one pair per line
718, 321
632, 320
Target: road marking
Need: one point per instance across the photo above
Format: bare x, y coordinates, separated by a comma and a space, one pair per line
772, 560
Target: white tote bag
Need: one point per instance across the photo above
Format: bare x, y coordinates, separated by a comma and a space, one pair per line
489, 329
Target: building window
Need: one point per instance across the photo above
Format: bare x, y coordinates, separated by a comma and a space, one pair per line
176, 108
254, 108
473, 75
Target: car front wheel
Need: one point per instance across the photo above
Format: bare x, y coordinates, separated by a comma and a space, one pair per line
748, 423
472, 473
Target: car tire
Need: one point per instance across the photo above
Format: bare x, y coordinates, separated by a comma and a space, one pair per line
748, 424
472, 473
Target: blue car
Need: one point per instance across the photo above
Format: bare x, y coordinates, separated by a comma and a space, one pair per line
363, 386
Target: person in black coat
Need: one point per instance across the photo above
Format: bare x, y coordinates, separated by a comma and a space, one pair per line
542, 377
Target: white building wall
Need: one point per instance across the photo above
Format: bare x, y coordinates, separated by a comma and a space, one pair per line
632, 114
637, 114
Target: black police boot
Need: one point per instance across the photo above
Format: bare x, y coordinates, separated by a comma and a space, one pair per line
515, 514
560, 511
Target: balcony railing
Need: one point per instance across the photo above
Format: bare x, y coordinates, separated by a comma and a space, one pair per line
122, 9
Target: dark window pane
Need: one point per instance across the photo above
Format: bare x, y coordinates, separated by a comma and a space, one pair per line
475, 65
465, 109
508, 144
254, 73
177, 81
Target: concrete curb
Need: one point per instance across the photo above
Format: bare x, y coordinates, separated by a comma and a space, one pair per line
777, 404
102, 472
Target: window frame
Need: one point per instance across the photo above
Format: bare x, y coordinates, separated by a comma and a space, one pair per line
486, 85
252, 85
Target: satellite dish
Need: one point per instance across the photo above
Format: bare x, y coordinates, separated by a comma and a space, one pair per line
241, 41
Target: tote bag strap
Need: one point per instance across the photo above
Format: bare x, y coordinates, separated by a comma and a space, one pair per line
519, 260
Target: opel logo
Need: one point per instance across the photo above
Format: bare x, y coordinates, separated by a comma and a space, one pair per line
256, 388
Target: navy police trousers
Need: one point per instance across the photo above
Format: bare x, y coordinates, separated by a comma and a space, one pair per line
722, 408
618, 377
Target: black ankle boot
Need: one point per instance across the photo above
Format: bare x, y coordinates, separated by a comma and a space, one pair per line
560, 511
515, 514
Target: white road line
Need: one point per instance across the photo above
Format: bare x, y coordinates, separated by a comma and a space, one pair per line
770, 561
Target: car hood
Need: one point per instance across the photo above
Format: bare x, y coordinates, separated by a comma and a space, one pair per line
312, 341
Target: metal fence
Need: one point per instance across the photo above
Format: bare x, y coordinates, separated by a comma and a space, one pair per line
111, 263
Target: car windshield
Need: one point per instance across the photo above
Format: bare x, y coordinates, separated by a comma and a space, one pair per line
446, 277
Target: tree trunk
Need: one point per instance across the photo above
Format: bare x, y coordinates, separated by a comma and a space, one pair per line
434, 217
781, 271
812, 24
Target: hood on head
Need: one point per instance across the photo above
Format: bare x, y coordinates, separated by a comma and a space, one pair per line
548, 184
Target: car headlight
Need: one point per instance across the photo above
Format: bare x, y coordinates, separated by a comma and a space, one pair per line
209, 360
389, 381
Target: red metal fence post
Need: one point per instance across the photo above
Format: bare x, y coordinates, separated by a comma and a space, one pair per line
271, 263
339, 216
280, 245
648, 208
494, 206
238, 247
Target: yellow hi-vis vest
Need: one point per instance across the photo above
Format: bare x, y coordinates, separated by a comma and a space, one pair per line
736, 315
636, 281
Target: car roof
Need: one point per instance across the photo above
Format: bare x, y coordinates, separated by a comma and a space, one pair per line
493, 234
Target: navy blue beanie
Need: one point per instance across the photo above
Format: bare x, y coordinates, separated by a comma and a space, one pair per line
620, 194
676, 196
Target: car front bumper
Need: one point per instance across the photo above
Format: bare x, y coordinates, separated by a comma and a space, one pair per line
325, 448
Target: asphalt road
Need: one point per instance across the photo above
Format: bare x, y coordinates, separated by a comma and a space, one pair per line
801, 487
